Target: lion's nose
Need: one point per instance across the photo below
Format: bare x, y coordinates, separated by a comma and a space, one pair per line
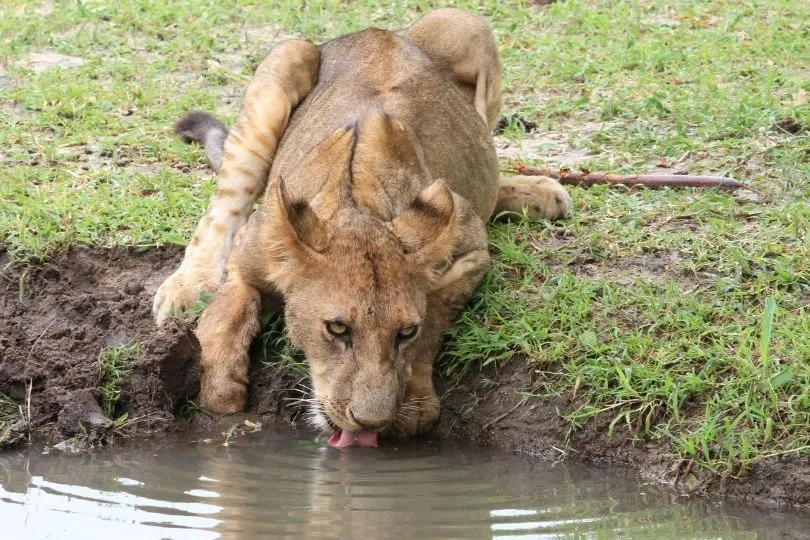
368, 423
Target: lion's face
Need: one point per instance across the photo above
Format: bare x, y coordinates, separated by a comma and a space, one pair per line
354, 315
355, 291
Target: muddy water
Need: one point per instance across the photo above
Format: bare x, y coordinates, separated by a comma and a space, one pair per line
273, 485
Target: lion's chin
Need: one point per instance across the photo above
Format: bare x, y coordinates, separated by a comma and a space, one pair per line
342, 438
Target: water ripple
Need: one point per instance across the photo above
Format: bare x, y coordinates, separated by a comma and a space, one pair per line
277, 486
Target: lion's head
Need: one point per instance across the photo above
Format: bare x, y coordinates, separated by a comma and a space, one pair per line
355, 289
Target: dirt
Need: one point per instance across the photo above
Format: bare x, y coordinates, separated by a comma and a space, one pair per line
547, 147
789, 124
47, 60
662, 268
57, 317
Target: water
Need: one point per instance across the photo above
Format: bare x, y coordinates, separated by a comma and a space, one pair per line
277, 485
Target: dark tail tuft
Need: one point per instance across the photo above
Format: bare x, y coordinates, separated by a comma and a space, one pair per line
205, 130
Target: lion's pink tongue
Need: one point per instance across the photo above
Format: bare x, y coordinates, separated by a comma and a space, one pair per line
344, 439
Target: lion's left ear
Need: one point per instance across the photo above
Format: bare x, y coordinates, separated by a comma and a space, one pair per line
427, 227
296, 236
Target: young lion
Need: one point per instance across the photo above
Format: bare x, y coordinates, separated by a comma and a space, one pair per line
379, 147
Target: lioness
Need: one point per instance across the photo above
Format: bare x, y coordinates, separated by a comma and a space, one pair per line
383, 172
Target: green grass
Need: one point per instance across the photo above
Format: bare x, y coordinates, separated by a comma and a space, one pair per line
114, 366
718, 366
682, 315
9, 414
277, 350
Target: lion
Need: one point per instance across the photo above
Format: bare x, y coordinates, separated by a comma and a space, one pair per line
375, 156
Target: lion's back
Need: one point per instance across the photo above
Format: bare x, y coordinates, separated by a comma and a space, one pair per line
380, 71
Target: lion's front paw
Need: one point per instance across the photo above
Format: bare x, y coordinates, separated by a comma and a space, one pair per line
417, 415
180, 292
222, 394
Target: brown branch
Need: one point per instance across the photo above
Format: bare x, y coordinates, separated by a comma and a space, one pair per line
653, 181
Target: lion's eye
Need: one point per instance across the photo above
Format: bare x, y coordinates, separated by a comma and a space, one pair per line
408, 332
337, 328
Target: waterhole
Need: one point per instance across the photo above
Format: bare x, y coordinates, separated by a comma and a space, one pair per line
274, 485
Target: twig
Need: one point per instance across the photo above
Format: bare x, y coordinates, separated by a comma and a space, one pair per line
25, 414
587, 178
804, 448
562, 452
504, 415
31, 350
136, 420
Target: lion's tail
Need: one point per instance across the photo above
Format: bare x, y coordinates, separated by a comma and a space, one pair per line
205, 130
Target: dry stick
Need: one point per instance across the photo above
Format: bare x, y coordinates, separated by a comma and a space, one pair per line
25, 414
504, 415
31, 351
653, 181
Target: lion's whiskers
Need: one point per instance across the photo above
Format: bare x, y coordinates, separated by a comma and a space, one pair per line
408, 412
315, 410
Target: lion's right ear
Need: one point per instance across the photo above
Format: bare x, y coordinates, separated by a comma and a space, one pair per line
295, 236
427, 228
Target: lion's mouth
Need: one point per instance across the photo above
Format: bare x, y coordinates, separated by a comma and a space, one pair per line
342, 438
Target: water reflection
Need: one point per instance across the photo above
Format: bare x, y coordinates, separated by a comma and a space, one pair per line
274, 485
54, 510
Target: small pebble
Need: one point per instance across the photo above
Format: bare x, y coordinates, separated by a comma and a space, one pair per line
133, 288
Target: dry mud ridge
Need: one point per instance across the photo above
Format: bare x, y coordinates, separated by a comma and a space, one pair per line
56, 318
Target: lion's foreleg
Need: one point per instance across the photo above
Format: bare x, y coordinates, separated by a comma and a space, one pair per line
420, 406
226, 331
537, 196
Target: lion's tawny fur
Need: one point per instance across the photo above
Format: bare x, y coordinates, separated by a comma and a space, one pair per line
383, 173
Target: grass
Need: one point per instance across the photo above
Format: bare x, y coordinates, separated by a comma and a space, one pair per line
716, 366
9, 415
114, 367
681, 316
277, 350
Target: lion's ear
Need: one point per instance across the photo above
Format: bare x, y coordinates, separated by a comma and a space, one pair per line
427, 227
295, 234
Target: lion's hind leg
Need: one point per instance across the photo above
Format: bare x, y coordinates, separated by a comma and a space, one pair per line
464, 45
537, 196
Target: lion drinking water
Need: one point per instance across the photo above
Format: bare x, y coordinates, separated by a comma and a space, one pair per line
378, 147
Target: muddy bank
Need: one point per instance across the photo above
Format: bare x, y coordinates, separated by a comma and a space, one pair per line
504, 419
63, 325
57, 319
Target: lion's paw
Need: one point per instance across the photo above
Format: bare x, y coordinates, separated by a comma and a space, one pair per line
222, 394
180, 292
537, 196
